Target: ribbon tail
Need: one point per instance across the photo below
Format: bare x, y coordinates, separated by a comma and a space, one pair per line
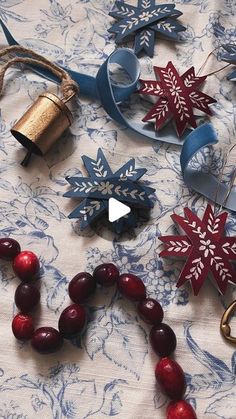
204, 183
232, 76
8, 35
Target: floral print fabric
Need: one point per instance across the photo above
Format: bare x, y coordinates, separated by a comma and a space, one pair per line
109, 372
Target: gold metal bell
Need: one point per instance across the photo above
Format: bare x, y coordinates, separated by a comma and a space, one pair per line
42, 124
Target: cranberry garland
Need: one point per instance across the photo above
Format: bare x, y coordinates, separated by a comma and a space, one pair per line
44, 340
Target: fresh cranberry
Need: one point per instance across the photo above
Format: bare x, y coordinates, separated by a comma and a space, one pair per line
22, 327
9, 248
150, 311
132, 287
106, 274
180, 410
72, 320
26, 265
27, 297
163, 339
171, 379
46, 340
81, 287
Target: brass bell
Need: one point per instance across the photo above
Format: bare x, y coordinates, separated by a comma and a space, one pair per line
46, 120
42, 124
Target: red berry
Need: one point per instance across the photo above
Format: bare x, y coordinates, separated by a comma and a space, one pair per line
170, 377
163, 339
132, 287
150, 311
22, 327
46, 340
180, 410
26, 265
27, 297
72, 320
106, 274
81, 287
9, 248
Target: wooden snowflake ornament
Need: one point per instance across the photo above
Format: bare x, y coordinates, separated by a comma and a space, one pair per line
144, 21
102, 184
206, 248
177, 96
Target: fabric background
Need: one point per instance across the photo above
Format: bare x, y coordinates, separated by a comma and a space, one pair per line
110, 372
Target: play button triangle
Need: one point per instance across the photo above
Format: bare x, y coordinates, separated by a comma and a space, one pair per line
116, 210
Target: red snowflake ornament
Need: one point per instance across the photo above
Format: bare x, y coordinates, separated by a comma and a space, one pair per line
205, 247
178, 95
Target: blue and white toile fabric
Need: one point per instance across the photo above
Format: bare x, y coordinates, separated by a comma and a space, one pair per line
110, 371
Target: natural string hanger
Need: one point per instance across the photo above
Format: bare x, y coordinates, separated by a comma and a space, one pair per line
68, 86
206, 60
232, 180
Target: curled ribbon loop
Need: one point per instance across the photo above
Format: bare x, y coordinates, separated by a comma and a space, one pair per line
111, 95
204, 183
128, 61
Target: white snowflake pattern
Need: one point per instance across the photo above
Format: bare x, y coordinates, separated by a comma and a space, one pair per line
145, 16
207, 247
175, 90
105, 188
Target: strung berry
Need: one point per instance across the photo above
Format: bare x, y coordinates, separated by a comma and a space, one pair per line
46, 340
170, 377
180, 410
81, 287
132, 287
26, 265
150, 311
9, 248
106, 274
163, 339
72, 321
22, 327
27, 297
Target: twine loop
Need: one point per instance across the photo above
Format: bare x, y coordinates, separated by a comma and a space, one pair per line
68, 86
206, 60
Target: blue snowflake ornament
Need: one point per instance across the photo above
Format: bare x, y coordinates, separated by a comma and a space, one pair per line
230, 57
144, 21
101, 185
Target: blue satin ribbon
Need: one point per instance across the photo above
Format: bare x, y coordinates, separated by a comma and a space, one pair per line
232, 76
111, 95
204, 183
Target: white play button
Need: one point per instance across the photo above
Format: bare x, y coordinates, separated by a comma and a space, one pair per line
117, 209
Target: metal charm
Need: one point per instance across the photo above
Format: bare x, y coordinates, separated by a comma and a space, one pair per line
224, 325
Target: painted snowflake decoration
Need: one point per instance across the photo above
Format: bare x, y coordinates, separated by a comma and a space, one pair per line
144, 21
206, 249
102, 184
177, 96
230, 57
